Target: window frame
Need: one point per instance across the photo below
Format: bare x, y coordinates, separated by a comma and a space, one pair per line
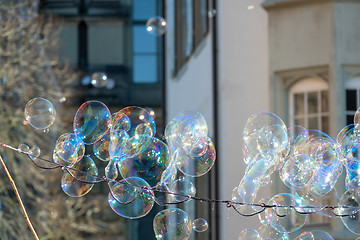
352, 84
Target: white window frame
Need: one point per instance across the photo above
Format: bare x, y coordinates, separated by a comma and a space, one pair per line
305, 86
353, 84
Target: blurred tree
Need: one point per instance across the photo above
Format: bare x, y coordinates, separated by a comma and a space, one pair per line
30, 68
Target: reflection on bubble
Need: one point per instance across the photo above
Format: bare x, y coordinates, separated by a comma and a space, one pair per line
305, 236
91, 121
156, 26
283, 218
172, 223
101, 147
99, 79
183, 189
131, 198
24, 148
40, 113
268, 233
83, 171
34, 152
249, 233
200, 225
68, 149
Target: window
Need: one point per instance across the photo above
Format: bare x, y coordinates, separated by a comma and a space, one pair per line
352, 95
309, 104
191, 27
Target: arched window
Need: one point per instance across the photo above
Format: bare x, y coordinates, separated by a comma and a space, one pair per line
352, 94
309, 104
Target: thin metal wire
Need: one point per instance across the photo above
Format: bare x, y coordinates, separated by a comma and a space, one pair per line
335, 210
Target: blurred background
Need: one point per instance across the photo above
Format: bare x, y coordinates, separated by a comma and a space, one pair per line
225, 59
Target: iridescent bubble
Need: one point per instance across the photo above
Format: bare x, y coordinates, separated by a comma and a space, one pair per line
149, 164
357, 117
132, 131
245, 193
172, 223
111, 171
69, 149
196, 166
99, 79
102, 147
265, 132
91, 121
169, 175
40, 113
156, 26
78, 180
262, 216
260, 168
284, 218
305, 236
268, 233
200, 225
297, 171
183, 189
34, 152
162, 196
319, 234
298, 137
24, 148
131, 198
188, 130
249, 233
351, 200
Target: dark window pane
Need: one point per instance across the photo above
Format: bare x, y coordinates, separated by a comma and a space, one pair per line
324, 101
312, 102
325, 124
143, 41
349, 119
145, 69
299, 104
204, 16
313, 123
351, 100
187, 11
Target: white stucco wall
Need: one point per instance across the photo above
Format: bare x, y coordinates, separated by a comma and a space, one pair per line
243, 76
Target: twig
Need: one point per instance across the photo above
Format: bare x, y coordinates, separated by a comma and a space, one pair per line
19, 199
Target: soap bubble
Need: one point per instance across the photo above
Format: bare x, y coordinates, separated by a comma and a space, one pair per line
245, 193
34, 152
148, 164
351, 199
111, 171
266, 232
262, 216
298, 137
183, 187
249, 233
101, 147
132, 129
200, 225
297, 171
24, 148
319, 234
131, 198
196, 166
172, 224
283, 218
156, 26
91, 121
78, 181
266, 133
99, 79
68, 149
212, 13
162, 196
40, 113
305, 236
188, 130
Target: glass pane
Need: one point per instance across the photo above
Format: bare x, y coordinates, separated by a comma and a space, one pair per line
143, 41
324, 101
351, 100
313, 123
204, 16
349, 119
312, 102
325, 124
145, 69
299, 104
144, 9
300, 122
188, 27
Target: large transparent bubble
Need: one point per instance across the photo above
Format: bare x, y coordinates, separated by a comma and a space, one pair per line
91, 121
266, 232
149, 164
40, 113
68, 149
282, 217
183, 190
131, 198
172, 224
249, 233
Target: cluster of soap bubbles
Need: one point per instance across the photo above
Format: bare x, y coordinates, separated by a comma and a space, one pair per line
309, 162
142, 170
266, 232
